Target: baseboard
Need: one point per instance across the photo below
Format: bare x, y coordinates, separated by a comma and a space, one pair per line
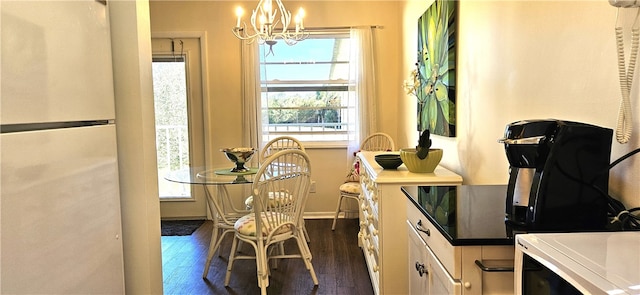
173, 218
307, 215
328, 215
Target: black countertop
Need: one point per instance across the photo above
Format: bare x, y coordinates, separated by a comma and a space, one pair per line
467, 215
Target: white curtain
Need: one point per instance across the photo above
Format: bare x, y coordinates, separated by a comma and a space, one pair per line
252, 133
251, 123
362, 71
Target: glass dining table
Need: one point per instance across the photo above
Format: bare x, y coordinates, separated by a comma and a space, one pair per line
219, 202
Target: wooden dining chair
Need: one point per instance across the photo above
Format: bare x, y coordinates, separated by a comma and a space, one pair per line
280, 191
275, 145
378, 142
280, 143
350, 189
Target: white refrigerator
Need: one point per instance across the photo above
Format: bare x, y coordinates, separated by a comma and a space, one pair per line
60, 219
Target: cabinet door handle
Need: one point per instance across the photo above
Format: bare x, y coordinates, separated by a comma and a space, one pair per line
419, 228
507, 266
421, 269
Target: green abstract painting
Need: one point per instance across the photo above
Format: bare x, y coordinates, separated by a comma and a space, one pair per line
437, 69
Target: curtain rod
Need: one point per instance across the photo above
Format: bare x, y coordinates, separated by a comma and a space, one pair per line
340, 28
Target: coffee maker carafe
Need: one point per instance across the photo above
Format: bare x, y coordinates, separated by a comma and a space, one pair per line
558, 176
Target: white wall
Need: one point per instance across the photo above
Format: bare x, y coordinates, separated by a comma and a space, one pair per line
517, 60
131, 42
529, 60
216, 18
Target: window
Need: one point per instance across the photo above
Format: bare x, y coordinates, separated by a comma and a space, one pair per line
172, 133
306, 90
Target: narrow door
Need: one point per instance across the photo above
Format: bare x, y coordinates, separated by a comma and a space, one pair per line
178, 95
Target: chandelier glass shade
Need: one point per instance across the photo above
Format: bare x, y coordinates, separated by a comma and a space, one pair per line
269, 23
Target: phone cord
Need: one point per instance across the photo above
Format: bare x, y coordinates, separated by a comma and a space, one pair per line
625, 124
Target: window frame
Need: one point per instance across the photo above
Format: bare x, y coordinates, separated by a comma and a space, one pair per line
188, 193
345, 87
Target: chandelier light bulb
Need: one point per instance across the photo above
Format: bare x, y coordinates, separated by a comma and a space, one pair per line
239, 13
300, 16
263, 21
267, 9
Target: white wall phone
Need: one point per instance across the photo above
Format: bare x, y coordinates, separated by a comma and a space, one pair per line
625, 122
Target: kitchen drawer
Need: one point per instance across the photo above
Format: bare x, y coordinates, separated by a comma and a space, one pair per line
370, 193
369, 230
369, 209
426, 273
447, 254
372, 259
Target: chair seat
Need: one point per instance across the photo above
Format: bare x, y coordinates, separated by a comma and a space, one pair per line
284, 178
275, 199
246, 225
351, 188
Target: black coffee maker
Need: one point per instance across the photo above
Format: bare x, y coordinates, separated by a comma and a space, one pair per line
558, 176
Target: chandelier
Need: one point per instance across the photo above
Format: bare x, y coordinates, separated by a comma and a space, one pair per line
267, 26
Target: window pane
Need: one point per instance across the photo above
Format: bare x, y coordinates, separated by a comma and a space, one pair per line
311, 59
304, 107
305, 89
298, 71
172, 139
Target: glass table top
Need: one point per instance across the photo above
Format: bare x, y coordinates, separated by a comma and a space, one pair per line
216, 176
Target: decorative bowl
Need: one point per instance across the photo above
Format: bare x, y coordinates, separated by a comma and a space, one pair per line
239, 156
417, 165
388, 161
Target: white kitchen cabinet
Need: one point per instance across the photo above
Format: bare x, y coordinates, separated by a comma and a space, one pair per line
426, 274
418, 263
382, 235
451, 257
440, 282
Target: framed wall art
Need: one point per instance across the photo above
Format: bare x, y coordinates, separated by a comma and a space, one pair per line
436, 68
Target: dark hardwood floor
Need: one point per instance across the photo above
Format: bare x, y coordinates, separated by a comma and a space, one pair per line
337, 260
